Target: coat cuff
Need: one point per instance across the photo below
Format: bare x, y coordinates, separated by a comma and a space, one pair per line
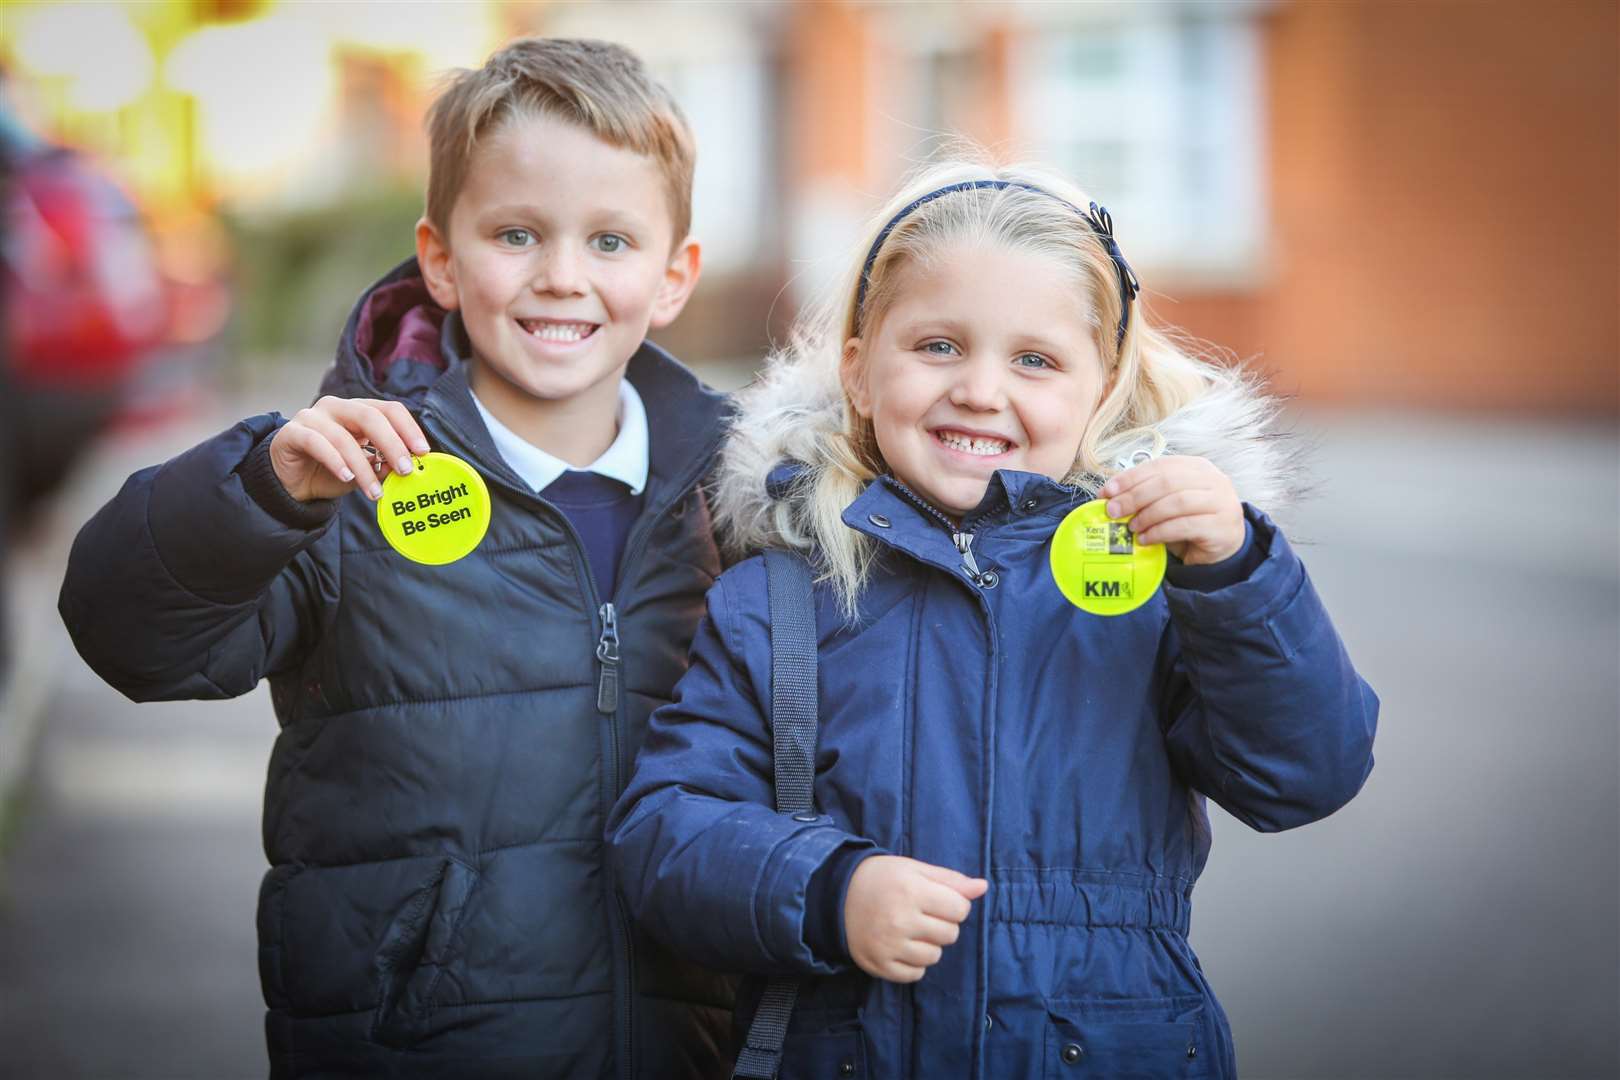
199, 508
260, 481
824, 931
782, 900
1208, 577
1272, 583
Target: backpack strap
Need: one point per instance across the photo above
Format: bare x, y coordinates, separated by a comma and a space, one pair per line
793, 680
793, 729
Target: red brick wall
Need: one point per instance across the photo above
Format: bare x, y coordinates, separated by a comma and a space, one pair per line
1445, 208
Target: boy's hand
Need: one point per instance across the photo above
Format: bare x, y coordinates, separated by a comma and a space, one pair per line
318, 455
1185, 503
899, 914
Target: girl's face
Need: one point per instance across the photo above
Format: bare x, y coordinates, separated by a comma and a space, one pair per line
983, 361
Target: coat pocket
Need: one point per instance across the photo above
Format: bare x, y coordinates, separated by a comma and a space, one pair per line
1134, 1039
421, 944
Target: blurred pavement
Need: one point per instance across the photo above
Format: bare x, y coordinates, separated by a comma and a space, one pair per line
1459, 919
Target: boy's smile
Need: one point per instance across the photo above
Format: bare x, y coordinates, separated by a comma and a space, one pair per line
559, 259
985, 360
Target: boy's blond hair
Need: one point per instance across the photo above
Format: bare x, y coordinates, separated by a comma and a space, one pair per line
602, 87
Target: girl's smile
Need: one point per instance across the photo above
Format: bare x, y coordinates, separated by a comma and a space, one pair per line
973, 444
986, 359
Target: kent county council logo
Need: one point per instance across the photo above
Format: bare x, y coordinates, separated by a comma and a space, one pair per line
1098, 565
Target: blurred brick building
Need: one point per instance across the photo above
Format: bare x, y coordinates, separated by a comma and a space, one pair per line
1388, 203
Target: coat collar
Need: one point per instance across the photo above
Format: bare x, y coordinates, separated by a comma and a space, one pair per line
1018, 508
685, 418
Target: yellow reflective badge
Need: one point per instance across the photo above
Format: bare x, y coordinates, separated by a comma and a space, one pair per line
438, 513
1098, 564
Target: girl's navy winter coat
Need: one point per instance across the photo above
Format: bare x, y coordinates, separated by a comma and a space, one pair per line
998, 730
437, 903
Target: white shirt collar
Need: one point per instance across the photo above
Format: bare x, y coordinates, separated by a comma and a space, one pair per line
624, 461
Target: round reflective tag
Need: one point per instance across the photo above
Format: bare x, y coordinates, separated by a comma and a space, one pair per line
1098, 565
436, 514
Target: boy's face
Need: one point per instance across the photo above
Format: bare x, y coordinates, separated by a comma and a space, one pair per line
559, 259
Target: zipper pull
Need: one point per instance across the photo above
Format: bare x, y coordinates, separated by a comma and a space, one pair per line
970, 566
964, 544
607, 652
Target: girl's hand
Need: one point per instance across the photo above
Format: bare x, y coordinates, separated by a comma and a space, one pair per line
318, 454
899, 914
1185, 503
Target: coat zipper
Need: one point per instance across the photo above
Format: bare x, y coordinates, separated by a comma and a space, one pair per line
609, 655
607, 652
983, 579
607, 703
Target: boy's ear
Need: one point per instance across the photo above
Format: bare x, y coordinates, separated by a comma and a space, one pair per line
852, 373
680, 278
433, 256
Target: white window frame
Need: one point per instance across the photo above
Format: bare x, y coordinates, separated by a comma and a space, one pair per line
1172, 126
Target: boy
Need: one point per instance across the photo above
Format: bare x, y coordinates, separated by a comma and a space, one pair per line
452, 736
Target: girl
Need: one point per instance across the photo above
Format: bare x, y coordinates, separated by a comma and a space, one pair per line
1010, 789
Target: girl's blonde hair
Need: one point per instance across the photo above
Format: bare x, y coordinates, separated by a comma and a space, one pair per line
800, 411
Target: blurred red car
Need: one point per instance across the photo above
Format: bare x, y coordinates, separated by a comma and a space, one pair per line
85, 299
84, 304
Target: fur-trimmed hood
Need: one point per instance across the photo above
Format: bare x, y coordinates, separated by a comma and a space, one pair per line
790, 414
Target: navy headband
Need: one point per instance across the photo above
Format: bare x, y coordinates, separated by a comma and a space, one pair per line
1101, 222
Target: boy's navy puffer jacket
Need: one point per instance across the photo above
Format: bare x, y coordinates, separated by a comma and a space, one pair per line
1000, 731
437, 903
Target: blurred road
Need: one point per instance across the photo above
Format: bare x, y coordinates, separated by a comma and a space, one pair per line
1459, 919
